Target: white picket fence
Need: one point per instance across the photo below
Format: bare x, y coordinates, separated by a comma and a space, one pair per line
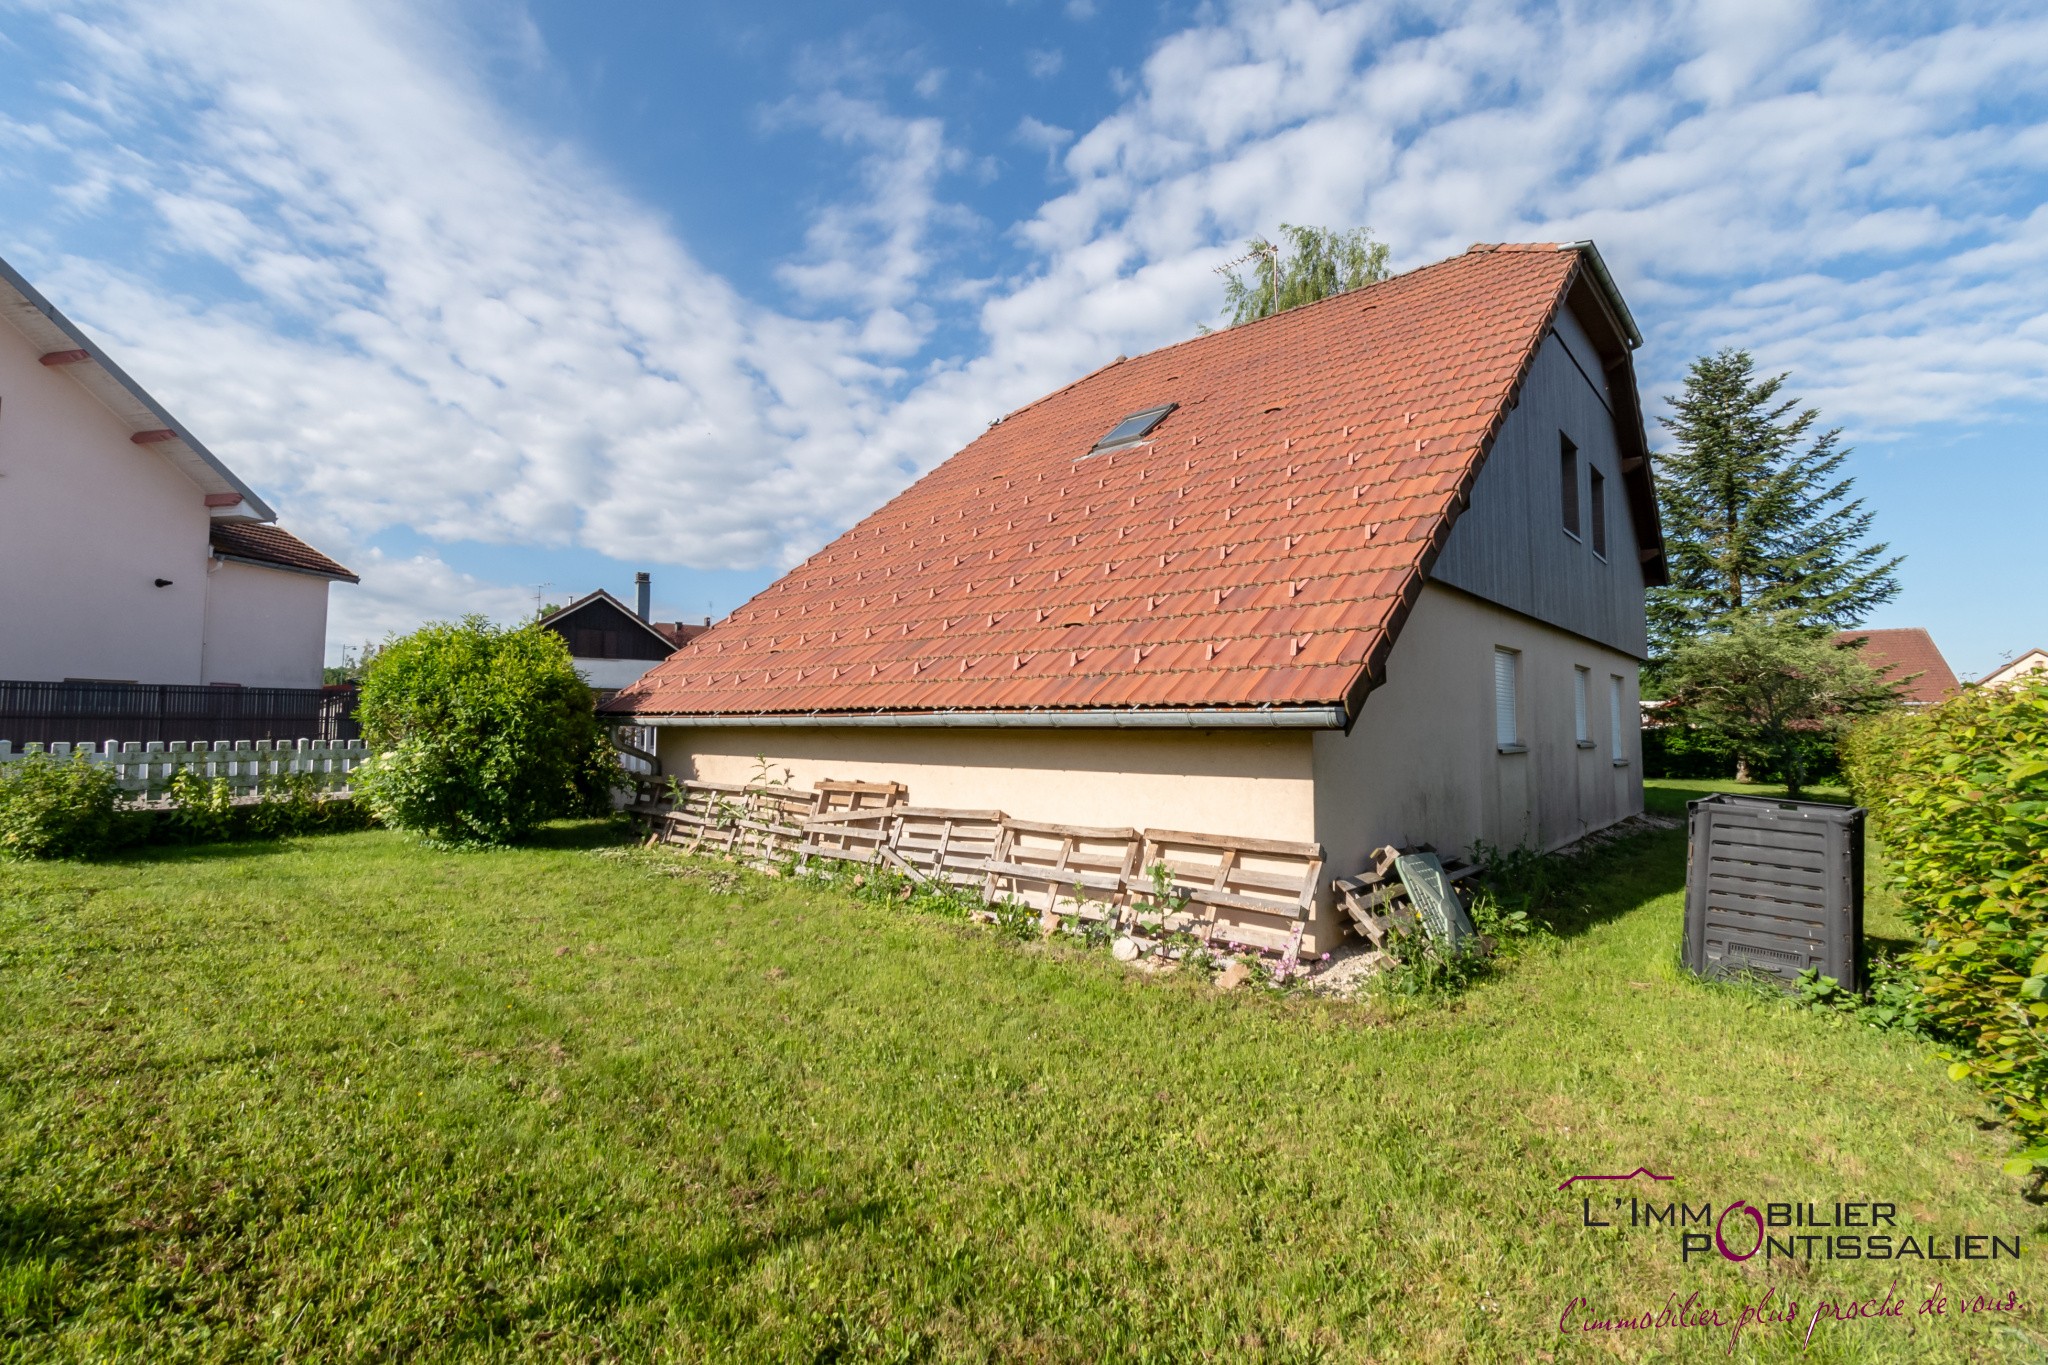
145, 770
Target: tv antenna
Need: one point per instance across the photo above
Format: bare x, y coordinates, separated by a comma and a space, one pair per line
1272, 255
538, 589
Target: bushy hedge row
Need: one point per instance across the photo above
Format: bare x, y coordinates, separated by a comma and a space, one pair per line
56, 808
1961, 797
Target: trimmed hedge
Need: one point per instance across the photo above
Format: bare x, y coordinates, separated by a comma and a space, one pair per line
1961, 794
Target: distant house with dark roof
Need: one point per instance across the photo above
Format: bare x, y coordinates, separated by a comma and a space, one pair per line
128, 551
612, 645
1907, 656
1369, 571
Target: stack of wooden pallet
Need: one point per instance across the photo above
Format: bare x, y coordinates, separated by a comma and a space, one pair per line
762, 825
1381, 904
1236, 892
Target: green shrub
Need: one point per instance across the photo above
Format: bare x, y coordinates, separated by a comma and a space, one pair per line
482, 733
202, 810
1872, 751
1965, 815
58, 809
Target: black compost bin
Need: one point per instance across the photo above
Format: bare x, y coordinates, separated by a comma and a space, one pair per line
1774, 887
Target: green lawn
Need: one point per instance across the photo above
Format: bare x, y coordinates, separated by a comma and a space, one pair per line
348, 1099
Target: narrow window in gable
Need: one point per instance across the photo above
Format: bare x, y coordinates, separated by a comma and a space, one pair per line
1568, 483
1596, 509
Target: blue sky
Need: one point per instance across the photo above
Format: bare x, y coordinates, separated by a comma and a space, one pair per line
486, 295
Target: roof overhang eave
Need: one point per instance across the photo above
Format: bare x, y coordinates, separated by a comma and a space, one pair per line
209, 463
1610, 290
1102, 718
342, 577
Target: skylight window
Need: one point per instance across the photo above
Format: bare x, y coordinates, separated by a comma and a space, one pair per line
1132, 429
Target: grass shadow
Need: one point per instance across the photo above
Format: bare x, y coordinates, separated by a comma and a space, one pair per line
657, 1274
44, 1250
574, 836
1614, 879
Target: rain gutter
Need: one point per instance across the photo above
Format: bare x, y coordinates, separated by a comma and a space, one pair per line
1272, 718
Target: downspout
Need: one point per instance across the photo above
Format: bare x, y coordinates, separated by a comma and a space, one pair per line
213, 563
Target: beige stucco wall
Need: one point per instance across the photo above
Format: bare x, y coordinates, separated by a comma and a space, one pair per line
1421, 766
88, 522
1256, 784
264, 627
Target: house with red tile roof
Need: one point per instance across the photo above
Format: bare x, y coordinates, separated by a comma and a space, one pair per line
129, 552
1369, 571
1908, 657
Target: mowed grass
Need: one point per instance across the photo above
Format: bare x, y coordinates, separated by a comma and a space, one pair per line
349, 1099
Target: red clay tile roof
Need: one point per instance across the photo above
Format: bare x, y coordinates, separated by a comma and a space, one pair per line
267, 544
1899, 654
680, 633
1260, 549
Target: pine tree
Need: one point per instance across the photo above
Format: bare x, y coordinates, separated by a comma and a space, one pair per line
1322, 262
1757, 515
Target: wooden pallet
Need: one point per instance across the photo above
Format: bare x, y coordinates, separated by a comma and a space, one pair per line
1062, 869
838, 794
847, 836
1378, 904
944, 847
1222, 882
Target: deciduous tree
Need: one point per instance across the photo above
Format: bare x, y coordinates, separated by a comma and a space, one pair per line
1316, 263
1775, 694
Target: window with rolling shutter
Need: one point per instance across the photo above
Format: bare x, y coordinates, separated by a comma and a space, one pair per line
1615, 696
1582, 723
1507, 729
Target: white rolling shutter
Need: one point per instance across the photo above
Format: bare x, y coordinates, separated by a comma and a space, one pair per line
1507, 731
1614, 729
1582, 722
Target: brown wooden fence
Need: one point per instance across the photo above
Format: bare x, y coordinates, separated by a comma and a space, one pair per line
147, 713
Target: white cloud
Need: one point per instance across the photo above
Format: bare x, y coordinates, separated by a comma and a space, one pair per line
399, 592
447, 323
1043, 63
452, 326
1044, 137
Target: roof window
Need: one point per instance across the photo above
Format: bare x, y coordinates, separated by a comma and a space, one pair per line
1131, 430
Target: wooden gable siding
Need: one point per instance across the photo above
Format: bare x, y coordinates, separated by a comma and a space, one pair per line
1510, 546
599, 630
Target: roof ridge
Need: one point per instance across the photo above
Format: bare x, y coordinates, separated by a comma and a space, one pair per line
1239, 328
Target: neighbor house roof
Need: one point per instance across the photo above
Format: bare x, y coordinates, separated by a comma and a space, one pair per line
1256, 551
558, 619
65, 347
272, 547
1901, 655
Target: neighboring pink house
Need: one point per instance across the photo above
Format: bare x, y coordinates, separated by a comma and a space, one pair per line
128, 551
